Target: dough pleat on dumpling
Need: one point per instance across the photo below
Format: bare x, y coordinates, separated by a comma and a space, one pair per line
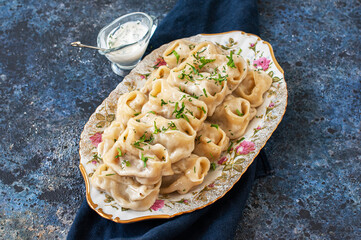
189, 172
125, 190
129, 104
171, 103
233, 116
253, 87
161, 73
205, 48
109, 137
198, 85
211, 140
177, 53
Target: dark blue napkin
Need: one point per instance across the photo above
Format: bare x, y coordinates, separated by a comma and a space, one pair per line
219, 220
191, 17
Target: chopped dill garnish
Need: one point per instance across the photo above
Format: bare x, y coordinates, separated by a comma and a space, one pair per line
119, 153
162, 102
205, 93
202, 109
156, 129
230, 62
175, 54
239, 113
145, 159
127, 163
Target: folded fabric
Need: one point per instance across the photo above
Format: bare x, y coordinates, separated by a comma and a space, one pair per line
219, 220
191, 17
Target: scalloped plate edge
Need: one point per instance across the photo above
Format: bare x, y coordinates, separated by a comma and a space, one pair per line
167, 216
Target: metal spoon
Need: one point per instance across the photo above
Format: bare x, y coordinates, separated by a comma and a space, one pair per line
79, 44
104, 50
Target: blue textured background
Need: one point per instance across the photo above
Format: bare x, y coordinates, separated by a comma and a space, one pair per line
49, 89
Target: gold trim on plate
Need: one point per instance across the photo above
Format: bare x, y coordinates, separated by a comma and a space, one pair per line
165, 216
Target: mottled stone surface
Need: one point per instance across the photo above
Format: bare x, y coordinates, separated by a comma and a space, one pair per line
49, 89
315, 190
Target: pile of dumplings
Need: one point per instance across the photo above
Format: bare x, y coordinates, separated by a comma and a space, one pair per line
166, 135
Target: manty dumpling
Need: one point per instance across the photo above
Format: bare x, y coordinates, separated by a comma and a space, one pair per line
207, 87
177, 53
189, 172
233, 116
109, 137
206, 48
208, 74
125, 190
161, 73
211, 141
254, 86
129, 104
231, 68
166, 132
146, 166
169, 102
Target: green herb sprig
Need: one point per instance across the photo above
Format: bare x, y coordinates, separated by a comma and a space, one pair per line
156, 129
145, 159
143, 140
230, 62
119, 153
175, 54
180, 113
239, 113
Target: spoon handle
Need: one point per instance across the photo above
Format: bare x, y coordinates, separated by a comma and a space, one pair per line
79, 44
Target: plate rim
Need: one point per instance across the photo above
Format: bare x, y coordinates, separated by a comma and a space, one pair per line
168, 216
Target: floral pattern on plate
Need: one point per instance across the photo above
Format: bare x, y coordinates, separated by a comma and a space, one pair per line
225, 172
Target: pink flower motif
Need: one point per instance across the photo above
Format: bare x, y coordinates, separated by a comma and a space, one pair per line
142, 76
245, 147
185, 201
94, 162
222, 160
211, 185
158, 204
271, 105
96, 139
160, 62
262, 62
258, 128
252, 44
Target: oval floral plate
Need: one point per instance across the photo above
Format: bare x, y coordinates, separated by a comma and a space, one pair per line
232, 164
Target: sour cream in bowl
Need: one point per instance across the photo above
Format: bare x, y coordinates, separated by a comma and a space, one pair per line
134, 29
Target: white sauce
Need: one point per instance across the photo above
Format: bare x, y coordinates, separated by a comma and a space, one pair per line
128, 32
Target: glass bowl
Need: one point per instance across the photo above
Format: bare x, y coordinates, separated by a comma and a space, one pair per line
126, 58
